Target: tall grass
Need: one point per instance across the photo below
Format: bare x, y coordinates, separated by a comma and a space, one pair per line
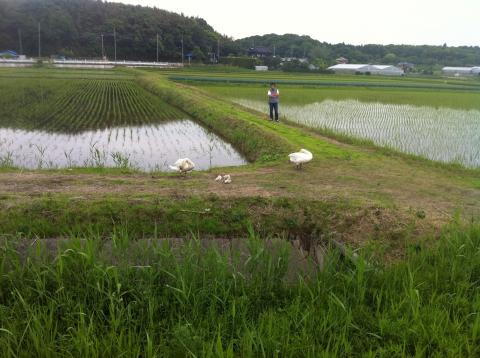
126, 299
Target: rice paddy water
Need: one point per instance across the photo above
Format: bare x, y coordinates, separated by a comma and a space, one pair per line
146, 147
440, 134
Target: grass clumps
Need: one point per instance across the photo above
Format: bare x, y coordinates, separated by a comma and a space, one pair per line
145, 299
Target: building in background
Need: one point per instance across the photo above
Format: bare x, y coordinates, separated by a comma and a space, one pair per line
259, 52
341, 60
385, 70
8, 54
461, 71
406, 66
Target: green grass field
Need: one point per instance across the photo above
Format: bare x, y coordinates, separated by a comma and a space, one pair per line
302, 95
196, 76
86, 270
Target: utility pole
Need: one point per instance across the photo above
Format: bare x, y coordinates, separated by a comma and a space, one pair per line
218, 50
115, 42
39, 42
157, 47
274, 50
20, 46
182, 49
103, 49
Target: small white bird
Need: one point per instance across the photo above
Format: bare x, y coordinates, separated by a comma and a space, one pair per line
183, 166
226, 179
301, 157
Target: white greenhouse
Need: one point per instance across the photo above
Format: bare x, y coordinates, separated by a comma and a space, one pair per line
385, 70
461, 71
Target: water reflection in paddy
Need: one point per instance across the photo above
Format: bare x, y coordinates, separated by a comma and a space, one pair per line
148, 147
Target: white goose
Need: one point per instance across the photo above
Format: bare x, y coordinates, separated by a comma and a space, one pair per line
183, 166
301, 157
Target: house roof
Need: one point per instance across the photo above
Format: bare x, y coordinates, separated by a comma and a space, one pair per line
8, 52
259, 50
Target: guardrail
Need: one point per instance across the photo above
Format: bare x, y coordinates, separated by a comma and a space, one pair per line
104, 64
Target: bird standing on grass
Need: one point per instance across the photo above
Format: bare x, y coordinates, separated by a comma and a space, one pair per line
183, 166
301, 157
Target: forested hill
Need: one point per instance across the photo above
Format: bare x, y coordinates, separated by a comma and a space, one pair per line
290, 45
74, 27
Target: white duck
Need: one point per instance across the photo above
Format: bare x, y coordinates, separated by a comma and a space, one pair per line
183, 166
301, 157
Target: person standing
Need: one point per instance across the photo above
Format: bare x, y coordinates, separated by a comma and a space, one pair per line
273, 99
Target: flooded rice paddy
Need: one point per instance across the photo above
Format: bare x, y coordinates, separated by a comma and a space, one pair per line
440, 134
147, 147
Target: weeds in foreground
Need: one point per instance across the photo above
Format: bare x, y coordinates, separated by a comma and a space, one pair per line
97, 298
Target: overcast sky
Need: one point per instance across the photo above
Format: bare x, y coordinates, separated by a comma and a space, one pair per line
432, 22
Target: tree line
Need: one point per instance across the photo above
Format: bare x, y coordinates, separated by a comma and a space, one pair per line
74, 28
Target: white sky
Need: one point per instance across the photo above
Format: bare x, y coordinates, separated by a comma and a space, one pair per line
416, 22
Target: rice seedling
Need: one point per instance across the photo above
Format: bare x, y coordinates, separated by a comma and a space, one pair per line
121, 160
6, 160
440, 134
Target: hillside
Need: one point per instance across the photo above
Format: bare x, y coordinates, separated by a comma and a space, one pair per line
290, 45
74, 27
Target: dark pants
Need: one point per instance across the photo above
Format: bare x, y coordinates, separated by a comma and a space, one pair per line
274, 106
